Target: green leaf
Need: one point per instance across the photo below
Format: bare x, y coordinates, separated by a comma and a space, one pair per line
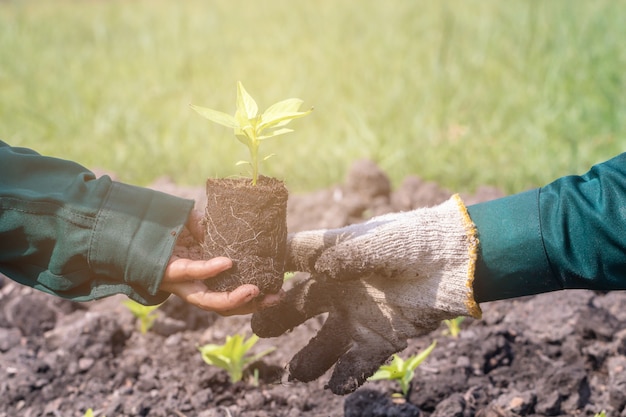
218, 117
232, 356
258, 356
245, 103
279, 119
401, 370
380, 375
289, 105
215, 355
415, 361
249, 126
275, 133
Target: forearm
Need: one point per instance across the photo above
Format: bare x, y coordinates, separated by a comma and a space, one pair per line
67, 233
568, 234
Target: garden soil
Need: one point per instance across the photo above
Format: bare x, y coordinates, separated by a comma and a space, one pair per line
556, 354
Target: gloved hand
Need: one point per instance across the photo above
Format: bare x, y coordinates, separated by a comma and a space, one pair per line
391, 278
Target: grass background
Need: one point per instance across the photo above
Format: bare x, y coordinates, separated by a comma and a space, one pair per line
512, 94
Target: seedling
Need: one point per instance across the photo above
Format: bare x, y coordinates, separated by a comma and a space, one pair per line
402, 370
145, 314
233, 356
601, 414
90, 413
454, 326
250, 127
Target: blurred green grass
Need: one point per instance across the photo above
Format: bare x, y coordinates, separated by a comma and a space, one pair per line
510, 94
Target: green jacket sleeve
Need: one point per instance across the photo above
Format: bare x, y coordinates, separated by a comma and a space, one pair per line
67, 233
568, 234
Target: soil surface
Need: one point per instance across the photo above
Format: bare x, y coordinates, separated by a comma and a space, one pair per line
557, 354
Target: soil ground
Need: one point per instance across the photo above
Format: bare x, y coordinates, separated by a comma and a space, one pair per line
557, 354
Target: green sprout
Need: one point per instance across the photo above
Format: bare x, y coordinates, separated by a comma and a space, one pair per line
402, 370
233, 356
90, 413
250, 127
144, 314
454, 326
601, 414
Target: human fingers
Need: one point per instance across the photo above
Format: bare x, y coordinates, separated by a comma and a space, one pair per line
183, 269
237, 302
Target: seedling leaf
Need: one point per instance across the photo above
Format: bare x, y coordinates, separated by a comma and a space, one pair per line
245, 103
276, 132
250, 127
454, 326
144, 314
415, 361
401, 370
218, 117
233, 355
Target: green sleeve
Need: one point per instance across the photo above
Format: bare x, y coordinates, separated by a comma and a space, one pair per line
568, 234
67, 233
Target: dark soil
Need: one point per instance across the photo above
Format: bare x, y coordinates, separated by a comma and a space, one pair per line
248, 224
557, 354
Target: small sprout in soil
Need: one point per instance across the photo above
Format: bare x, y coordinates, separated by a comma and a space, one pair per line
402, 370
90, 413
454, 326
145, 314
601, 414
233, 356
250, 127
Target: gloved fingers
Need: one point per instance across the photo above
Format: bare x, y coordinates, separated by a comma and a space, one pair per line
357, 254
307, 299
304, 248
375, 338
322, 351
360, 362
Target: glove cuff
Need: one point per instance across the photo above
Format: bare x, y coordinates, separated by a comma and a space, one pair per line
473, 308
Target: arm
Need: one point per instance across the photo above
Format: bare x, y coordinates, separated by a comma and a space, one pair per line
568, 234
67, 233
397, 276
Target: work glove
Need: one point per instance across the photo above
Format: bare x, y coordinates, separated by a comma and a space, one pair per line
394, 277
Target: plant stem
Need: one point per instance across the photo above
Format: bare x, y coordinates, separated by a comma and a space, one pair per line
254, 160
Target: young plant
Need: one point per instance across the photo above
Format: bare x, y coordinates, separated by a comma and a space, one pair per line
402, 370
454, 326
145, 314
250, 127
233, 356
601, 414
90, 413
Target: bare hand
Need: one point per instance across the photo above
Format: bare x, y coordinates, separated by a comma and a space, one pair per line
185, 274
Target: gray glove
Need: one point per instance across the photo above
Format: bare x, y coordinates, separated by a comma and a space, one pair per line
381, 282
